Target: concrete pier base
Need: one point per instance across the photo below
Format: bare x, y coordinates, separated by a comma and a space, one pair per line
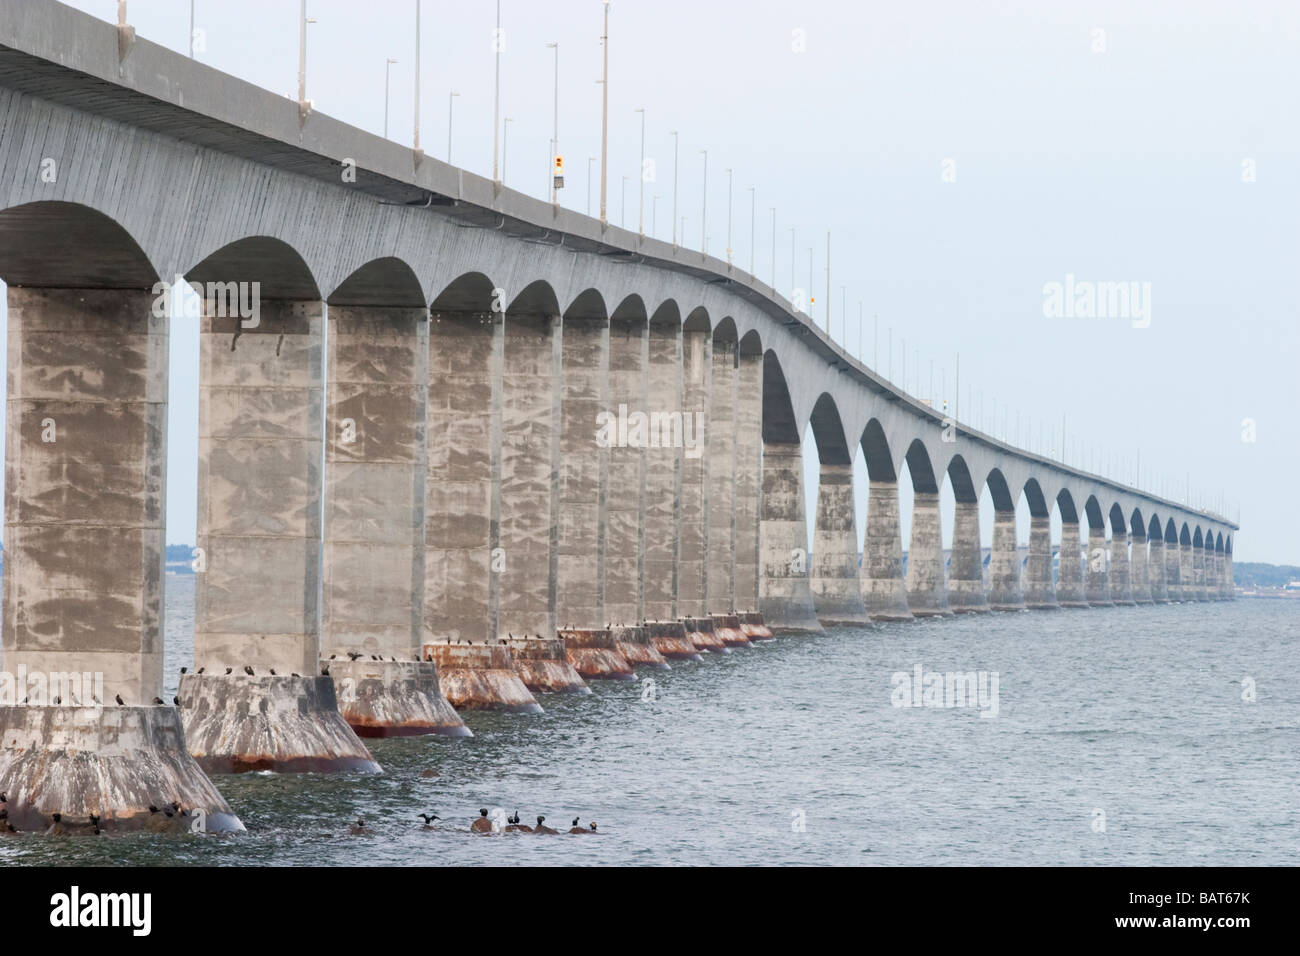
671, 640
1173, 571
927, 592
881, 577
1069, 571
837, 596
785, 594
633, 642
544, 667
481, 677
1186, 573
1040, 590
751, 623
700, 632
239, 723
1139, 577
965, 572
1096, 582
726, 627
594, 655
393, 698
1156, 570
1005, 590
1120, 585
1198, 572
114, 762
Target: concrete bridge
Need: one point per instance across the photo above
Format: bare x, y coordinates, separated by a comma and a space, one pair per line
464, 433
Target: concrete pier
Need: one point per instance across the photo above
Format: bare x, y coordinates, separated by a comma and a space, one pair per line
883, 587
1156, 569
634, 643
693, 517
671, 640
751, 623
594, 654
1069, 573
837, 595
1096, 580
1174, 569
1186, 572
700, 632
1119, 575
721, 483
749, 451
1198, 571
1138, 575
785, 596
662, 473
1005, 590
376, 459
85, 483
259, 540
481, 677
543, 665
965, 567
625, 470
726, 628
1040, 589
927, 593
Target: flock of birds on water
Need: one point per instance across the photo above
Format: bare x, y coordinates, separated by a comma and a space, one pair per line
482, 824
160, 818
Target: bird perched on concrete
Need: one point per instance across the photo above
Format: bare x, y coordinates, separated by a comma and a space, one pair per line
56, 827
575, 821
514, 819
482, 824
325, 672
542, 828
94, 824
157, 701
517, 827
273, 674
200, 670
120, 701
176, 701
229, 670
360, 829
592, 828
352, 656
185, 670
248, 670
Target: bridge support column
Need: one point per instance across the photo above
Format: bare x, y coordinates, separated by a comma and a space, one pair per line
1198, 570
1120, 585
580, 471
1186, 572
376, 459
1174, 570
693, 552
1006, 593
1156, 570
625, 496
836, 594
749, 460
1139, 576
1069, 572
1232, 583
1095, 577
785, 598
1211, 574
721, 486
85, 484
662, 475
1040, 590
965, 567
883, 586
927, 592
259, 536
1222, 568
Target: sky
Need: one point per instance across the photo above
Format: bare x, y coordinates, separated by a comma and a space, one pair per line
963, 155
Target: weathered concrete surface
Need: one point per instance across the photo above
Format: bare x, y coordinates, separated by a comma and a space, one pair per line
692, 542
1040, 589
1156, 570
663, 474
1232, 582
480, 677
720, 546
751, 623
376, 460
726, 628
463, 433
113, 762
85, 481
785, 597
965, 569
1221, 575
1198, 572
543, 666
1096, 581
238, 724
393, 698
529, 419
633, 642
625, 468
927, 592
837, 596
1005, 590
1069, 570
700, 632
749, 454
1174, 570
882, 582
671, 640
595, 655
1121, 588
1186, 573
1138, 575
579, 467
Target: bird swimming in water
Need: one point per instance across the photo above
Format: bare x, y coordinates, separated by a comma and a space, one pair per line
428, 819
482, 824
542, 828
56, 828
593, 827
94, 824
360, 829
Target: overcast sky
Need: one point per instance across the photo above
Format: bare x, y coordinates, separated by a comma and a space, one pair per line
962, 154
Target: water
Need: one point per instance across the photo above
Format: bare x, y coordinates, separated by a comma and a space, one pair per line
1135, 712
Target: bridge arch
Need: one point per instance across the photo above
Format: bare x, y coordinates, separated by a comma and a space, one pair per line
385, 282
277, 267
588, 305
67, 245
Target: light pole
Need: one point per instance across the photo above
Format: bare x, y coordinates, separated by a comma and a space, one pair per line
654, 209
810, 275
729, 217
640, 220
774, 248
604, 113
191, 29
753, 212
505, 146
622, 215
303, 20
451, 98
496, 95
828, 283
388, 66
792, 302
555, 130
704, 204
416, 143
590, 160
675, 144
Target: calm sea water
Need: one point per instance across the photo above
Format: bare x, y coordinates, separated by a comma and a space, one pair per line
1134, 713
